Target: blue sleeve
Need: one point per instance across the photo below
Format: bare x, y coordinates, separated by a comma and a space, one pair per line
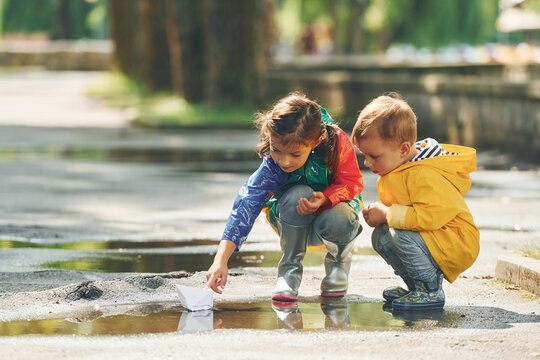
251, 199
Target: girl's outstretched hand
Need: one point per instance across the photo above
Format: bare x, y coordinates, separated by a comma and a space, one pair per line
217, 274
216, 277
308, 206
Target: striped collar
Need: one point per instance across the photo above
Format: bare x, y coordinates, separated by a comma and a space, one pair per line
429, 148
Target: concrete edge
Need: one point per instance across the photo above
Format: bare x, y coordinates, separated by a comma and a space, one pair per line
519, 270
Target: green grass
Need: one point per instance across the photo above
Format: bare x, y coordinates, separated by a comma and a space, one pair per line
165, 109
531, 251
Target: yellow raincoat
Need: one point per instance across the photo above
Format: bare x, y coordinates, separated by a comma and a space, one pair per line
427, 196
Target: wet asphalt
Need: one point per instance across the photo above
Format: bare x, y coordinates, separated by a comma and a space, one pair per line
161, 195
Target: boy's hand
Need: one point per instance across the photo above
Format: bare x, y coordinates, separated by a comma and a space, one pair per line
375, 214
306, 206
217, 277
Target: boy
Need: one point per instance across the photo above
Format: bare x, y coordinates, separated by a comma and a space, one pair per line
423, 228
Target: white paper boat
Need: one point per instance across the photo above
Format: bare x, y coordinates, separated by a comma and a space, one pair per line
195, 299
193, 321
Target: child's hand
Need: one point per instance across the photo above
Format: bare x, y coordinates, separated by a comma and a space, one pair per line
306, 206
375, 214
217, 277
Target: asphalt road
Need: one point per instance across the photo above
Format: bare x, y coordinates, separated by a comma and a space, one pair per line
52, 195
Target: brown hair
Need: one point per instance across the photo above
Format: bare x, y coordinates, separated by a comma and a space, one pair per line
390, 116
295, 119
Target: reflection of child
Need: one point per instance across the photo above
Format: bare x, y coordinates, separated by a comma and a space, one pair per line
423, 228
309, 185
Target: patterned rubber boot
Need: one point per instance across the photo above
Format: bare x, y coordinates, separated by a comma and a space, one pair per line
425, 296
394, 292
293, 243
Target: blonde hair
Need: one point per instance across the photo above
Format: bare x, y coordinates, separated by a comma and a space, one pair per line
388, 116
296, 119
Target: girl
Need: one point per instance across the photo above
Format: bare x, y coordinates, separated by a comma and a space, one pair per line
309, 185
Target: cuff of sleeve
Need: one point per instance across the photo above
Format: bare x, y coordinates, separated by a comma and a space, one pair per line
396, 216
333, 198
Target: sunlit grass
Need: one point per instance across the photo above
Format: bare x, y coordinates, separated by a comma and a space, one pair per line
165, 109
531, 251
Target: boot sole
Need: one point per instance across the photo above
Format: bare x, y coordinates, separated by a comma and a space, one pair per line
280, 297
417, 307
284, 305
334, 294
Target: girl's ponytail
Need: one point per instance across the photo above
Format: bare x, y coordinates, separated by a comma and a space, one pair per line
329, 148
263, 147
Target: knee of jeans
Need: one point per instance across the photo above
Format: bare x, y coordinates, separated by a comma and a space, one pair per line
286, 206
378, 236
338, 224
400, 238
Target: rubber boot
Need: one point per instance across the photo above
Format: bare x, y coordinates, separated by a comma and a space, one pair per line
336, 314
293, 244
395, 292
288, 315
425, 296
337, 264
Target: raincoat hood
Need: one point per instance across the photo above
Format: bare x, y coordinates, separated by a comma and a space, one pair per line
455, 168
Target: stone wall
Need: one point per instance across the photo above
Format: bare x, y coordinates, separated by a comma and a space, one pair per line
481, 108
95, 55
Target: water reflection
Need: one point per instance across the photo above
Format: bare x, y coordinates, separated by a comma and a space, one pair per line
261, 315
159, 256
145, 262
106, 245
195, 321
265, 315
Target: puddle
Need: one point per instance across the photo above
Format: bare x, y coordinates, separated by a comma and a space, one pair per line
260, 315
106, 245
135, 154
160, 256
190, 262
309, 315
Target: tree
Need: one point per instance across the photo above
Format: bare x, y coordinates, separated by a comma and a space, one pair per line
209, 50
156, 64
126, 36
186, 44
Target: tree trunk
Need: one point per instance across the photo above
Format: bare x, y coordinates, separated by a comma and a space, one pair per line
64, 27
175, 49
156, 71
125, 34
357, 28
211, 51
188, 50
234, 51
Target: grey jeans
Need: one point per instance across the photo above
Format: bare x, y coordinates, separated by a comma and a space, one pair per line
338, 225
406, 252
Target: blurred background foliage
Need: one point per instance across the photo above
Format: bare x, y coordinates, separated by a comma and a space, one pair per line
422, 23
216, 52
56, 19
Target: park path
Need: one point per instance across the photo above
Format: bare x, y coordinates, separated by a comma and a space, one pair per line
53, 99
52, 198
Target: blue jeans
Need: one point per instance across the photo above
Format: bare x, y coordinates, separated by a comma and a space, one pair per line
406, 252
338, 225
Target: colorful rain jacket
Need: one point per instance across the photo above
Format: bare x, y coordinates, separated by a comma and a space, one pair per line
427, 196
264, 187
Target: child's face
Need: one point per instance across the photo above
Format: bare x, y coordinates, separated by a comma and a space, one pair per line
382, 156
290, 157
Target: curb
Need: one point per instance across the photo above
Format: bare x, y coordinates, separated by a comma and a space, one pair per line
519, 270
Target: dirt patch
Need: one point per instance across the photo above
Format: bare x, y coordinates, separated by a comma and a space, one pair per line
86, 290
